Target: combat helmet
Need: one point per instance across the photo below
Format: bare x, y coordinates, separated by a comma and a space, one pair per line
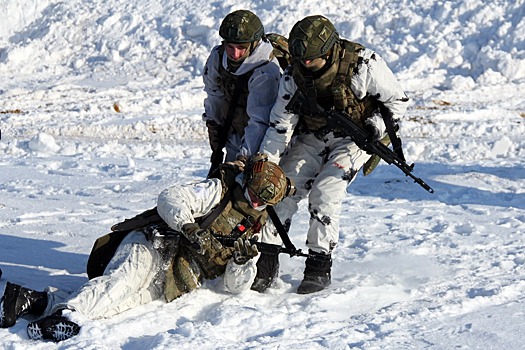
312, 37
241, 26
266, 180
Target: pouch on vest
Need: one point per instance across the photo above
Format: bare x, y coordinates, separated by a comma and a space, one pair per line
372, 163
280, 49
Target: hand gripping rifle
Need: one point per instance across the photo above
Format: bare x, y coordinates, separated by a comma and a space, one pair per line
267, 248
342, 122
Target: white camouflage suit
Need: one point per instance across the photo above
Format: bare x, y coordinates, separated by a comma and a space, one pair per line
262, 86
324, 177
135, 274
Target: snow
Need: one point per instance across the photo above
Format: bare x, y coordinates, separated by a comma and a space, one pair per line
100, 105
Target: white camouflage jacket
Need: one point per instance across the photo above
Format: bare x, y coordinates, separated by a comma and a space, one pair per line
262, 86
373, 78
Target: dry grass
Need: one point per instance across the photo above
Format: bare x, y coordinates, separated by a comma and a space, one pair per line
11, 111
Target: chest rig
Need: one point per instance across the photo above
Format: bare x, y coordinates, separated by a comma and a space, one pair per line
237, 218
232, 218
235, 89
332, 88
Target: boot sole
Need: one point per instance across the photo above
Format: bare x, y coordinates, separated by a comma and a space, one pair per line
55, 328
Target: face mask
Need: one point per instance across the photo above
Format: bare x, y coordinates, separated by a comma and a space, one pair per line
253, 203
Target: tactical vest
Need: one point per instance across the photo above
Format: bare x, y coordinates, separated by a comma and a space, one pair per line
332, 88
227, 82
236, 219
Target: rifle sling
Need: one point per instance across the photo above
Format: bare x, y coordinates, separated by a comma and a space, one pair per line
282, 231
208, 220
391, 131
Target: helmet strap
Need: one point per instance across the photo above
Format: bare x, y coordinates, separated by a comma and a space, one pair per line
253, 46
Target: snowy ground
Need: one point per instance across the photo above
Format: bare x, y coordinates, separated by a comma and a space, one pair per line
100, 107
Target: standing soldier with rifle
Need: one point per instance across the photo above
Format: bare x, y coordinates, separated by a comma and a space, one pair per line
327, 73
241, 79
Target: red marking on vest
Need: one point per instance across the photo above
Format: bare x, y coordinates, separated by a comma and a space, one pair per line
256, 228
339, 165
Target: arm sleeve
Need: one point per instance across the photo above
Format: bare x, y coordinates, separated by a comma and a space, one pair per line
215, 105
376, 79
179, 205
263, 87
282, 123
238, 278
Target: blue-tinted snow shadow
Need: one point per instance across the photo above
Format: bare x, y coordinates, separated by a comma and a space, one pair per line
39, 263
388, 182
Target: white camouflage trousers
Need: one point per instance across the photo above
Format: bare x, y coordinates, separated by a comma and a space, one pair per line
133, 277
322, 170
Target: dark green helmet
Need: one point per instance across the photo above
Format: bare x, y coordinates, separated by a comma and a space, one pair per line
312, 37
241, 26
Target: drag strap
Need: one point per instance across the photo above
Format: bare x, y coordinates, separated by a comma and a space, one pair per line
210, 218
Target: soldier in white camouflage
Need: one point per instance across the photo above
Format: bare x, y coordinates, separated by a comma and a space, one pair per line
332, 73
164, 252
241, 79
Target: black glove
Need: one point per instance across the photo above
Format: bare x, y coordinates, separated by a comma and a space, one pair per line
205, 241
244, 251
215, 132
373, 131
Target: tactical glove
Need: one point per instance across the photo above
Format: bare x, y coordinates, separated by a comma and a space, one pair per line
214, 134
237, 164
244, 251
202, 238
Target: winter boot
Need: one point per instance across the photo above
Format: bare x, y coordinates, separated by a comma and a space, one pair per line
18, 301
54, 327
316, 273
267, 271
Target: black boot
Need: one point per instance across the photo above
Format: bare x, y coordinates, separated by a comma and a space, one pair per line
54, 327
267, 271
18, 301
316, 273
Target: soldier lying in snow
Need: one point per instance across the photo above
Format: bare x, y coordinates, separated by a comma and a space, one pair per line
164, 252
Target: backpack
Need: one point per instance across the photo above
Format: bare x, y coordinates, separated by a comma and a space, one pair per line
280, 49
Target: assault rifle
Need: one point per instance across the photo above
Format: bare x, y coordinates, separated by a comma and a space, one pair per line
342, 122
150, 218
263, 247
228, 241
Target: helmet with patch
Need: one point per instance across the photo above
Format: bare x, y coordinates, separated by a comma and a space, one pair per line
241, 26
266, 180
312, 37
